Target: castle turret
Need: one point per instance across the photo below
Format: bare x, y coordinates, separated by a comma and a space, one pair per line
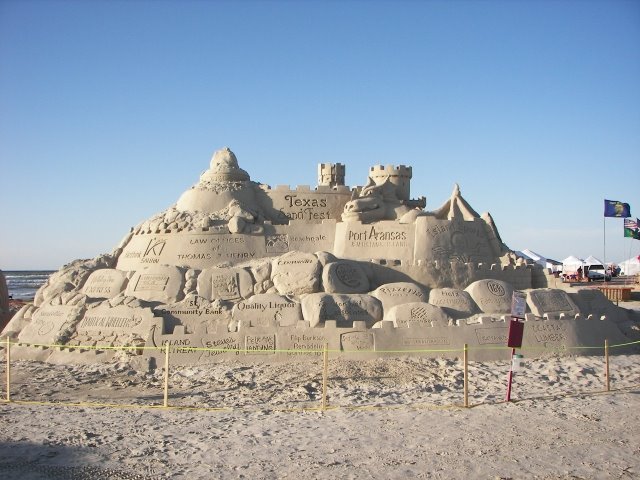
331, 174
400, 176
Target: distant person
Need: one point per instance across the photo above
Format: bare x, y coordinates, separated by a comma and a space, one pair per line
579, 273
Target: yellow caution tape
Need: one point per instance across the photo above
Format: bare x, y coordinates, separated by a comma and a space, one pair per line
187, 349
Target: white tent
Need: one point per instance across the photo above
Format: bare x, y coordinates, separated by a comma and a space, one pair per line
591, 260
630, 266
554, 265
534, 256
571, 264
539, 259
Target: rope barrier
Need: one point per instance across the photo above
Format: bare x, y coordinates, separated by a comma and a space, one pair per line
167, 348
183, 348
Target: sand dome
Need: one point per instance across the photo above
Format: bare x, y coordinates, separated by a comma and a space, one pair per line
222, 183
224, 168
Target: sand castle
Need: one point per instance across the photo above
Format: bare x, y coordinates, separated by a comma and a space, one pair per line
255, 273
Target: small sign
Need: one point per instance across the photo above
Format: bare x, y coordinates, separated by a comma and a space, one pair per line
518, 304
516, 330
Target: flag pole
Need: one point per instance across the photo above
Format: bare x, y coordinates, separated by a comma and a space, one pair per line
604, 246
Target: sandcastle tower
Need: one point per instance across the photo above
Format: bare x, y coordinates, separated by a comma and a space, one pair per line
399, 176
331, 174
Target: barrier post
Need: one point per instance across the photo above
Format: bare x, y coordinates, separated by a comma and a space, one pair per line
606, 364
466, 376
8, 369
325, 369
166, 375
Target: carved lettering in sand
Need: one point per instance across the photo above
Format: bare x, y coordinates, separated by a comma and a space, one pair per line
221, 346
492, 335
151, 283
357, 341
306, 344
425, 342
546, 332
260, 344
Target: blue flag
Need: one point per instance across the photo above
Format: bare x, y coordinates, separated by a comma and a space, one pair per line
614, 208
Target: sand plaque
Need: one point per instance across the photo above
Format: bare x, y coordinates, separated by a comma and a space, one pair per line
392, 294
344, 277
365, 241
417, 313
50, 324
491, 296
296, 273
160, 283
457, 303
225, 284
105, 283
345, 309
151, 283
453, 241
552, 302
116, 320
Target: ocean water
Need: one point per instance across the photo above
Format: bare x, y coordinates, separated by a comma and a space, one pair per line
23, 285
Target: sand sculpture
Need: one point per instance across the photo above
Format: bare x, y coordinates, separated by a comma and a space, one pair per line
260, 273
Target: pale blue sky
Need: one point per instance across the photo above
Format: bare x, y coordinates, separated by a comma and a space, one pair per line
110, 110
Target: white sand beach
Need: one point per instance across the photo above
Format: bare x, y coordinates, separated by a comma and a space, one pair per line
387, 418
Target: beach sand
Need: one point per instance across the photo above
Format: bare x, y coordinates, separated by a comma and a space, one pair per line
386, 418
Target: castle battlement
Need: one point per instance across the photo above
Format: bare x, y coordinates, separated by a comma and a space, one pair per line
337, 189
342, 189
391, 170
399, 175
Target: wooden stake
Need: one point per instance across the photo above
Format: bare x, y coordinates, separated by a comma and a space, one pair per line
325, 375
606, 363
8, 369
166, 375
466, 376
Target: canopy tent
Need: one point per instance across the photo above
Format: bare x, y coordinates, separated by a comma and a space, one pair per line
554, 265
527, 254
531, 255
591, 260
630, 266
571, 264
